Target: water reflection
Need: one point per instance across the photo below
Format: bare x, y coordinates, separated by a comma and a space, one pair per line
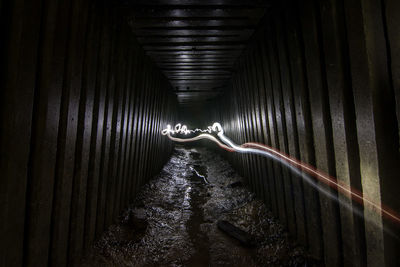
173, 221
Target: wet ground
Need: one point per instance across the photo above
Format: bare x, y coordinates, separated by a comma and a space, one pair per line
173, 221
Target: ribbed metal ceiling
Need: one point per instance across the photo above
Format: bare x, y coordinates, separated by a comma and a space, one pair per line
194, 42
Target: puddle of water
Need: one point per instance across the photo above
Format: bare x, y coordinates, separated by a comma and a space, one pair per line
173, 221
200, 172
199, 239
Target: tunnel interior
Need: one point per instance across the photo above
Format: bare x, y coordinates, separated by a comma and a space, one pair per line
88, 86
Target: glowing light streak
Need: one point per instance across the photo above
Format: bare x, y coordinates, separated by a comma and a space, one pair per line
328, 180
295, 165
182, 129
185, 131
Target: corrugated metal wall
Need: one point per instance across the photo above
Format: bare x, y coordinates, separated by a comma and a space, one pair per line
81, 112
319, 82
82, 108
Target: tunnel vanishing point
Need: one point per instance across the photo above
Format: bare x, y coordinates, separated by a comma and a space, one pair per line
87, 86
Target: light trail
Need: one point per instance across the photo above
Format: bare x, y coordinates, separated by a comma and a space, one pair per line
302, 169
329, 180
183, 130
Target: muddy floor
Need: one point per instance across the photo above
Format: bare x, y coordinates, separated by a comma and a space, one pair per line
173, 221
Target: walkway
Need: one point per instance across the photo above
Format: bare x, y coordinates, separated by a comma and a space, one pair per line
173, 221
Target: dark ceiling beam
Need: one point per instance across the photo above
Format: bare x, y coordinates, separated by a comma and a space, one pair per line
192, 11
187, 92
195, 100
194, 40
188, 61
200, 87
195, 96
195, 57
193, 47
224, 29
195, 68
198, 77
194, 85
218, 74
195, 60
192, 32
198, 52
240, 3
197, 72
174, 65
213, 76
223, 64
197, 81
136, 23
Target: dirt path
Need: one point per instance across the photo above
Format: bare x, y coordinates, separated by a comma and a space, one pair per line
173, 221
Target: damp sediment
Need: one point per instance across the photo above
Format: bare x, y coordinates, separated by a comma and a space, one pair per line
173, 221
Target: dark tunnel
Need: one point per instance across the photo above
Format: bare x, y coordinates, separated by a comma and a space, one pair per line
88, 86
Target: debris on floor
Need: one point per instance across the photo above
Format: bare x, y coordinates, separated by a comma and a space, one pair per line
236, 184
178, 216
244, 238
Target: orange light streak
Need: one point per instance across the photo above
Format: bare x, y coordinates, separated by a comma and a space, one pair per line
328, 180
267, 151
